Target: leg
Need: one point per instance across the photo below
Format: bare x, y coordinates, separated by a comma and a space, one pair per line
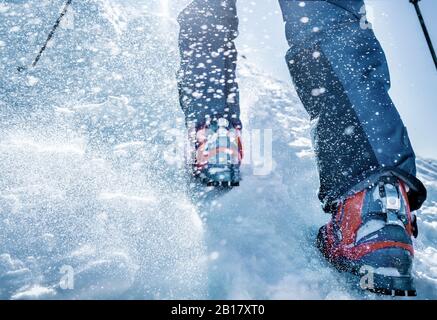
342, 78
366, 162
207, 81
208, 90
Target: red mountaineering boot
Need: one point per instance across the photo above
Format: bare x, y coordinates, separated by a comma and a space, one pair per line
217, 154
370, 235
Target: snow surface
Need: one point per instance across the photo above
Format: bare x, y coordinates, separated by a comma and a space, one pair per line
87, 181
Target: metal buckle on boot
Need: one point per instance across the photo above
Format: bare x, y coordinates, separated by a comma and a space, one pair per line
391, 202
396, 213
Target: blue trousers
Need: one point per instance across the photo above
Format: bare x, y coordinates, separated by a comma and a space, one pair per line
340, 73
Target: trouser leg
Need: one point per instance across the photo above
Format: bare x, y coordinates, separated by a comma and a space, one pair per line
207, 80
341, 75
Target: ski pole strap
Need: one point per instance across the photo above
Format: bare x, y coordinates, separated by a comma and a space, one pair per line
52, 32
425, 30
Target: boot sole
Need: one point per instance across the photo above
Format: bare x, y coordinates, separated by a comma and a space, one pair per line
225, 177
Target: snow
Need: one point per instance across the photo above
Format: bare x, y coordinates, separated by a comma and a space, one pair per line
35, 292
3, 8
88, 183
31, 81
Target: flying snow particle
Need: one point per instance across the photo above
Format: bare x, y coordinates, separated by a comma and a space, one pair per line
117, 76
304, 19
32, 81
214, 255
197, 94
316, 54
231, 98
317, 92
302, 4
349, 130
14, 29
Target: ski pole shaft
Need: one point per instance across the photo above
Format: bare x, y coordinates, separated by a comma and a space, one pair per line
50, 36
425, 30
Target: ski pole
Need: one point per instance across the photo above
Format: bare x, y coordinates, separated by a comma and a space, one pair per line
50, 36
425, 30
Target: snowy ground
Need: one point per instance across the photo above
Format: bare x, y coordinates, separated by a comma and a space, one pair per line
88, 182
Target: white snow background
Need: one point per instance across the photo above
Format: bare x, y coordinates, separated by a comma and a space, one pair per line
86, 181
